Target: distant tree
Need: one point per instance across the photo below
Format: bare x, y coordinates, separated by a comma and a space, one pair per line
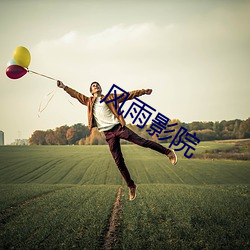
87, 141
80, 134
145, 134
245, 129
196, 125
135, 128
77, 134
236, 129
50, 137
217, 129
70, 136
204, 134
82, 142
96, 137
60, 134
169, 128
94, 141
185, 125
38, 138
81, 130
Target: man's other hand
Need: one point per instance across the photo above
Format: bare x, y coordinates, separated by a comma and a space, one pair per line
148, 91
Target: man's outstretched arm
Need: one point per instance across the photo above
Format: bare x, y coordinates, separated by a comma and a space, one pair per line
80, 97
133, 94
137, 93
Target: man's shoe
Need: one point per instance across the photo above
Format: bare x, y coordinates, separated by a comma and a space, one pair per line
132, 193
172, 157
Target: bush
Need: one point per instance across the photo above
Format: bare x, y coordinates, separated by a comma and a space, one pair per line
239, 151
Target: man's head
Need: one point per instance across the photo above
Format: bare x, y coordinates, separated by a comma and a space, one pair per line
95, 87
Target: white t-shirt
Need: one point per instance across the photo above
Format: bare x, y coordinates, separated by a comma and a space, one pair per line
105, 119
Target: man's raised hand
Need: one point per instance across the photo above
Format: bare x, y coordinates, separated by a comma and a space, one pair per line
148, 91
60, 84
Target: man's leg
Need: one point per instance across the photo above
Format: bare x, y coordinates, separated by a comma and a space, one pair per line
129, 135
115, 149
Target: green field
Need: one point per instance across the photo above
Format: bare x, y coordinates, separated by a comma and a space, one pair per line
62, 197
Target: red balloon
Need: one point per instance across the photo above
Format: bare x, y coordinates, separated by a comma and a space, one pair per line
15, 71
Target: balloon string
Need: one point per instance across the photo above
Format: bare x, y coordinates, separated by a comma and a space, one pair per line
50, 96
71, 103
31, 71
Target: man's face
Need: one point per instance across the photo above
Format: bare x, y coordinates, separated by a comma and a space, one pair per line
95, 87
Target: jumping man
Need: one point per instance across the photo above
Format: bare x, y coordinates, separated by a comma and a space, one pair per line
106, 118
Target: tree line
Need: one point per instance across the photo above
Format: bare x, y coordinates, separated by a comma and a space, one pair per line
79, 134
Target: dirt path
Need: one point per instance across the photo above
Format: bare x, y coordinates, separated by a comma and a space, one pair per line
111, 235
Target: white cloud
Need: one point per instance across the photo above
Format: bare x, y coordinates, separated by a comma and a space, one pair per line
115, 40
112, 50
69, 38
119, 35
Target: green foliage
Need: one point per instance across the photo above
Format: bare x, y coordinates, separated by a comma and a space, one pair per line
238, 150
79, 134
63, 135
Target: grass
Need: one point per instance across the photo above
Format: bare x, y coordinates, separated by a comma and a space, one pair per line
234, 150
58, 165
187, 217
61, 197
69, 217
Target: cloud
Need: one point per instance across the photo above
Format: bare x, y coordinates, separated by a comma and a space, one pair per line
116, 47
203, 42
107, 38
117, 40
119, 35
68, 38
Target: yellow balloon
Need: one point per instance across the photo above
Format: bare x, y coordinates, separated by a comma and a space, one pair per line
22, 56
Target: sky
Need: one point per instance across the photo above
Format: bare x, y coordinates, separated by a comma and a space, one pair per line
195, 55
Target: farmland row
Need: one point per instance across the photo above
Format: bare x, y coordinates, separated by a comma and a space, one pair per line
94, 165
64, 218
63, 198
172, 216
167, 216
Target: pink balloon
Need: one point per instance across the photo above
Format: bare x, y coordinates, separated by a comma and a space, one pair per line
15, 71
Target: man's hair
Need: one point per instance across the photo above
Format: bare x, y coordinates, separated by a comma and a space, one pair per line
90, 88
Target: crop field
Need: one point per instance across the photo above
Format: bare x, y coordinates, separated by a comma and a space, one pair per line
73, 197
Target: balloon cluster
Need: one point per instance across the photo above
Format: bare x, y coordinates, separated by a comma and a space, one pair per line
18, 65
